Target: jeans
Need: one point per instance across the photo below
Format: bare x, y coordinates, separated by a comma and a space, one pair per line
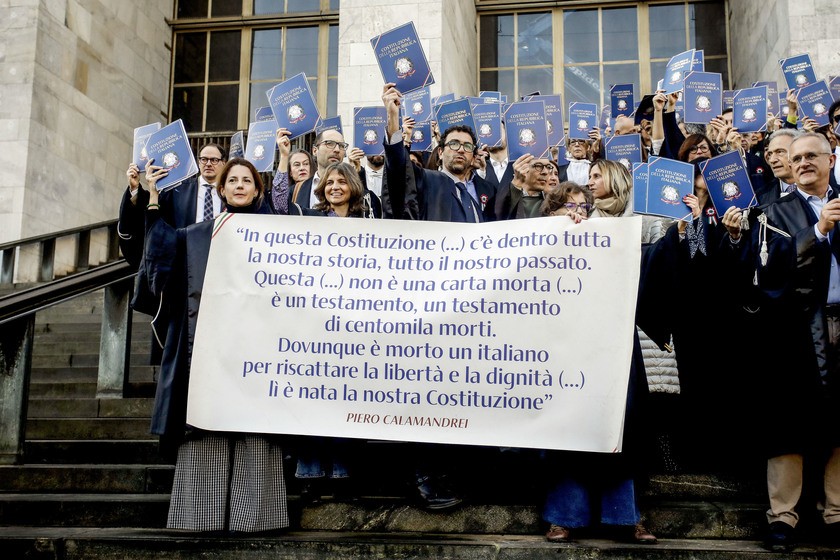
575, 501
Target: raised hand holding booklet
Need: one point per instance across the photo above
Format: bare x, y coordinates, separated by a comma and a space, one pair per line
625, 149
237, 145
728, 182
401, 58
554, 110
453, 113
750, 109
676, 70
259, 149
798, 71
621, 100
702, 97
772, 97
526, 130
668, 182
582, 117
169, 147
488, 122
814, 101
141, 136
369, 125
294, 106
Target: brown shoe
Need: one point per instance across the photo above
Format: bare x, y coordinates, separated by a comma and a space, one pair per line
556, 533
642, 535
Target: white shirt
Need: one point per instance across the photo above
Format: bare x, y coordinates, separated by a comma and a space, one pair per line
374, 179
578, 171
499, 167
837, 165
199, 203
313, 199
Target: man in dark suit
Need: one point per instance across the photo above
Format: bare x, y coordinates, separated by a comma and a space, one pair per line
499, 169
193, 200
329, 148
523, 197
798, 280
776, 154
455, 194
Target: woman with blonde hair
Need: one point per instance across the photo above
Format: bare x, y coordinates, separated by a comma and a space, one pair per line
611, 185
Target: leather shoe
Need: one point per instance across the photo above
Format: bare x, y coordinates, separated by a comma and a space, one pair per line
781, 537
556, 533
434, 496
642, 535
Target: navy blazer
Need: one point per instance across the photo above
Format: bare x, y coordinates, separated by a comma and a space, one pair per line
491, 178
435, 193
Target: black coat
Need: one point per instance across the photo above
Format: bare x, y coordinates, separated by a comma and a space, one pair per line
433, 193
491, 178
306, 192
508, 200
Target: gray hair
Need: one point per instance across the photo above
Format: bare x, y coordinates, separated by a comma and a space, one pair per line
823, 140
791, 132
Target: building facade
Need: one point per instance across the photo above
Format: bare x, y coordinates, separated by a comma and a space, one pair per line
79, 75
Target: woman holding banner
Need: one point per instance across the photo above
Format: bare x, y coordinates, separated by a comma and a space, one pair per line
223, 481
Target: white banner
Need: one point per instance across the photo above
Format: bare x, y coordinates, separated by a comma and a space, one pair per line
515, 333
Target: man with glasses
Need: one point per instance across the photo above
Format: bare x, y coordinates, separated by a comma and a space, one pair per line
523, 197
776, 153
798, 277
455, 194
329, 148
192, 201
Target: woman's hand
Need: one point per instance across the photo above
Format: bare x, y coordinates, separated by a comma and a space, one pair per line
284, 145
733, 139
408, 125
732, 222
721, 129
133, 176
694, 204
659, 101
809, 124
577, 218
153, 174
355, 156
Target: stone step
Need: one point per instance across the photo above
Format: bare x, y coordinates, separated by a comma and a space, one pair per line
43, 479
79, 360
83, 389
87, 374
88, 428
85, 345
74, 451
90, 408
147, 544
84, 510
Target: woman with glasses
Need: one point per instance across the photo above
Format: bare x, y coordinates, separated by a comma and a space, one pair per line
223, 481
695, 147
568, 199
611, 185
578, 156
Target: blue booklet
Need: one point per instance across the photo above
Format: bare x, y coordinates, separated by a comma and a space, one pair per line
401, 58
750, 109
814, 101
421, 137
798, 71
561, 152
263, 114
495, 95
640, 187
698, 63
728, 98
554, 110
625, 149
237, 145
676, 70
141, 136
702, 97
834, 87
330, 123
441, 99
582, 118
621, 100
728, 182
605, 121
772, 96
259, 149
452, 113
294, 106
488, 122
668, 182
369, 129
418, 105
475, 101
526, 130
170, 148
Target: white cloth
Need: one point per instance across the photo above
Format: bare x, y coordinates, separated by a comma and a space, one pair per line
578, 171
837, 165
499, 168
199, 202
313, 199
374, 180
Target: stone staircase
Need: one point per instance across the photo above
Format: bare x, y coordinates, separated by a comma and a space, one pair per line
93, 486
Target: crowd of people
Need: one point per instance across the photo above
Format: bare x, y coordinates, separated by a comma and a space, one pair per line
733, 283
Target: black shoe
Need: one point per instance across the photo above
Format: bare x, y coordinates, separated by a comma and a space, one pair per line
310, 493
781, 537
831, 535
435, 496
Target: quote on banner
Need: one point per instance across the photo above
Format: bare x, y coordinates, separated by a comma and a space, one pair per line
515, 333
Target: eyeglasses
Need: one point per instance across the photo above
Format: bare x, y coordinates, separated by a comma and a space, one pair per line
699, 148
206, 160
809, 157
572, 206
538, 167
454, 145
577, 141
331, 144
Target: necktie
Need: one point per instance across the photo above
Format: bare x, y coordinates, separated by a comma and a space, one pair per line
466, 203
208, 202
790, 189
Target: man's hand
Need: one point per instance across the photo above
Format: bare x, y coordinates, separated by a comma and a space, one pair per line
773, 124
732, 222
829, 215
721, 129
659, 101
283, 143
734, 140
153, 174
809, 124
355, 156
392, 99
408, 125
791, 101
521, 167
133, 176
480, 159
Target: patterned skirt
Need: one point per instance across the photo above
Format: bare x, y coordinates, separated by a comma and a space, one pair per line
228, 482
